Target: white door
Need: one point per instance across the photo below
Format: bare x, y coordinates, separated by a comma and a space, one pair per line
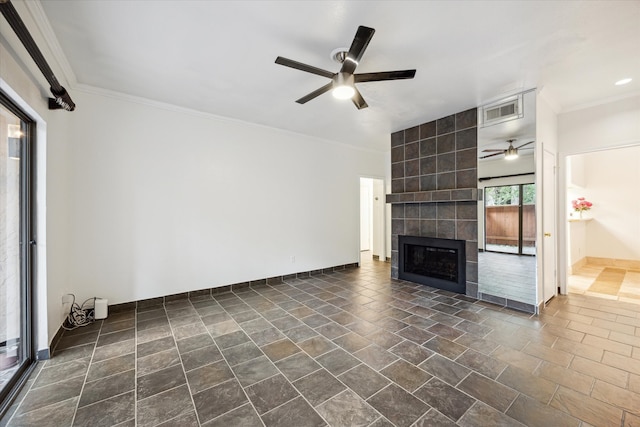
549, 240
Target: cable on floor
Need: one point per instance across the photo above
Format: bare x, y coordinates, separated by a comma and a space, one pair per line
79, 315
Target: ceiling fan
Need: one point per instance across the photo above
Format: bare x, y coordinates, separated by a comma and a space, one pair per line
510, 153
343, 82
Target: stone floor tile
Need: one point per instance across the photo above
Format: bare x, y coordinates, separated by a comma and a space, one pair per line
398, 406
54, 415
364, 380
105, 388
151, 347
351, 342
157, 361
446, 399
319, 386
532, 413
316, 346
406, 375
347, 409
241, 353
527, 383
616, 396
163, 406
254, 370
188, 419
433, 418
488, 391
208, 376
445, 369
445, 347
271, 393
280, 349
411, 352
111, 411
481, 414
297, 366
227, 396
586, 408
245, 415
376, 357
598, 370
486, 365
337, 361
159, 381
296, 412
111, 366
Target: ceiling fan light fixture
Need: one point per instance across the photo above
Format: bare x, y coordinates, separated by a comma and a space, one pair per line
343, 86
511, 153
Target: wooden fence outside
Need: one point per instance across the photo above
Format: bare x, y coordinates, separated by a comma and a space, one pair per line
501, 225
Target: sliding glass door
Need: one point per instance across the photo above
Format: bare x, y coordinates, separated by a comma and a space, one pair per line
510, 219
16, 245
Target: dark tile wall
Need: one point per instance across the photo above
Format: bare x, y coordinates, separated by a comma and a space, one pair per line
435, 161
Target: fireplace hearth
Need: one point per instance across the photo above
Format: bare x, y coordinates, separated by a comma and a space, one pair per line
435, 262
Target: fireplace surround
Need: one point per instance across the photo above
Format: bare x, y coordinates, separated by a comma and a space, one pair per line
434, 188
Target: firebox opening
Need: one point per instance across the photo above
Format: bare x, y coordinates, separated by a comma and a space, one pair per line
439, 263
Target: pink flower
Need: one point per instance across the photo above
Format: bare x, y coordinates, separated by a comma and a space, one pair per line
581, 204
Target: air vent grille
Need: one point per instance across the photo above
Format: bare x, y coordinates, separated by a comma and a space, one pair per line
501, 111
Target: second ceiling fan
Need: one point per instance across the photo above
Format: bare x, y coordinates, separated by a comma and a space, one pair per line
510, 153
343, 82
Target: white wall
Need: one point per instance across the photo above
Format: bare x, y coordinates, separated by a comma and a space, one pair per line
609, 125
611, 183
166, 201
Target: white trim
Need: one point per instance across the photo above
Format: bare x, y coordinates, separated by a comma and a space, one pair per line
40, 310
44, 26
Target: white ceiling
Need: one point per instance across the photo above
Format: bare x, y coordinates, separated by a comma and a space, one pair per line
218, 56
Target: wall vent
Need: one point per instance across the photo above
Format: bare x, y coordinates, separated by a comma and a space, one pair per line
502, 111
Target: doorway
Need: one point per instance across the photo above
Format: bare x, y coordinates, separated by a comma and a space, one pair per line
510, 219
372, 203
17, 245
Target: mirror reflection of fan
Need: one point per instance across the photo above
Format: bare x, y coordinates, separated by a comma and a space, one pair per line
343, 82
510, 153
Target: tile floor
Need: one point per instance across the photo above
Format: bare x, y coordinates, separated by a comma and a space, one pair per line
592, 280
344, 349
508, 276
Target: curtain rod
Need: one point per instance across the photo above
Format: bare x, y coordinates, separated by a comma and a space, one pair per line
505, 176
61, 98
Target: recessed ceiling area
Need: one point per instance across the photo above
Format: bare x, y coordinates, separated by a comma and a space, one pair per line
218, 57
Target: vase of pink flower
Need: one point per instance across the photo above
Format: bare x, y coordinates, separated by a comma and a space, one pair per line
580, 205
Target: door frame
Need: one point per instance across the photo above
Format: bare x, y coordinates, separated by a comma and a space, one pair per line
520, 217
28, 252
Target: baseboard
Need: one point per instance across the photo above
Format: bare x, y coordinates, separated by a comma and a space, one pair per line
613, 262
578, 264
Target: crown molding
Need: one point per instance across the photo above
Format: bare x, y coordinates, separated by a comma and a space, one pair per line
42, 22
603, 101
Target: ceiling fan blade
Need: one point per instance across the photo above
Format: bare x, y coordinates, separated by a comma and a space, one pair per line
524, 145
490, 155
315, 93
358, 100
358, 46
493, 149
384, 75
304, 67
